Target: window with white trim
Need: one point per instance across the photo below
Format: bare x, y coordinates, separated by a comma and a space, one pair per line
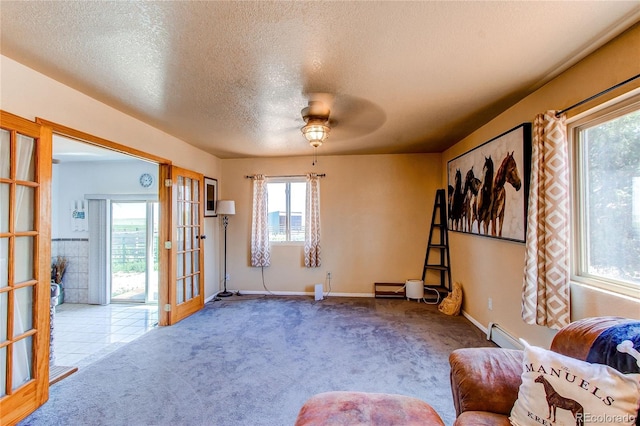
606, 225
286, 209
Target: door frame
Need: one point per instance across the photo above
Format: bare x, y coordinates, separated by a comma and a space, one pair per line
164, 199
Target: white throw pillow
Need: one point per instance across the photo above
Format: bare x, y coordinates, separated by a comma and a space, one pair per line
558, 390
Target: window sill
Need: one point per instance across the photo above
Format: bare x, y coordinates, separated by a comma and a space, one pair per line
630, 293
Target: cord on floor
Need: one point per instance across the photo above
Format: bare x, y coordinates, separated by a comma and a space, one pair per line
438, 296
263, 283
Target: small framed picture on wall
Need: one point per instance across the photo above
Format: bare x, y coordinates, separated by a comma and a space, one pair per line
210, 196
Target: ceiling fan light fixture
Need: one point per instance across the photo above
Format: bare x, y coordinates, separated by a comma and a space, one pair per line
315, 131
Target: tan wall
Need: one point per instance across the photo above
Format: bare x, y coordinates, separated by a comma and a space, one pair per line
30, 94
375, 217
490, 268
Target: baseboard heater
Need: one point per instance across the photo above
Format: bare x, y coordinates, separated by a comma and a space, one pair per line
502, 338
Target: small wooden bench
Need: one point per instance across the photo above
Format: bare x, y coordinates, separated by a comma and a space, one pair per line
390, 290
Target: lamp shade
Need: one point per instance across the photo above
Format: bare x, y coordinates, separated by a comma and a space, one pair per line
226, 207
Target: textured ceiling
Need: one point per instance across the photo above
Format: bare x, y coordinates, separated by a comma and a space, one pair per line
232, 77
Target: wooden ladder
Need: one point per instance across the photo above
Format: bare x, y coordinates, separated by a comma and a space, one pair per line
438, 262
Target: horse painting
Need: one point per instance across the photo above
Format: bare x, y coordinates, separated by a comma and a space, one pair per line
507, 172
457, 202
488, 187
484, 202
469, 208
450, 205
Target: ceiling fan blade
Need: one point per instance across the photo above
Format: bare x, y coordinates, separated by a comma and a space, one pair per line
354, 117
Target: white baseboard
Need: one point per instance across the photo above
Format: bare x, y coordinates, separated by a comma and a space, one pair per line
305, 293
474, 322
502, 338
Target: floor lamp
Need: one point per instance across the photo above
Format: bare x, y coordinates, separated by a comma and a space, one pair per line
225, 208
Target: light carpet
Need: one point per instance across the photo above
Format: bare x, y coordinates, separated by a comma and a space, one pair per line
253, 360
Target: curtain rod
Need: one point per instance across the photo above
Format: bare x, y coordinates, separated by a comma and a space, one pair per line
285, 176
597, 95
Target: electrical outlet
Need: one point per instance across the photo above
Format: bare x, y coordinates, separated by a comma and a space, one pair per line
490, 304
228, 277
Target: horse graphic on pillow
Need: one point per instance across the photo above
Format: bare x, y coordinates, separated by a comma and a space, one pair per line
555, 400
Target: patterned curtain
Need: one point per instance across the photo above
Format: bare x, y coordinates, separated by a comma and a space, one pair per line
545, 294
260, 250
312, 252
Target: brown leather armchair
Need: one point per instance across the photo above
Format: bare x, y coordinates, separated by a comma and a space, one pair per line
485, 381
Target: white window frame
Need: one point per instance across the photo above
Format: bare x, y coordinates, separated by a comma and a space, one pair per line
288, 182
604, 112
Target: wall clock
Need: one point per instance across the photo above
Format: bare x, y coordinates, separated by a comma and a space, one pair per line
146, 180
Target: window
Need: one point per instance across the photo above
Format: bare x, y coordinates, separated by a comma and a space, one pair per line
606, 233
286, 209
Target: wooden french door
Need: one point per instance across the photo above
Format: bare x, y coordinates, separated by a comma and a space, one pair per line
186, 287
25, 266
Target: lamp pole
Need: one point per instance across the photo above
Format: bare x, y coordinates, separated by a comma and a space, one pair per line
225, 293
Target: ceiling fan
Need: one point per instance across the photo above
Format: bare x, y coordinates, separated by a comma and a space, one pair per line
343, 116
316, 118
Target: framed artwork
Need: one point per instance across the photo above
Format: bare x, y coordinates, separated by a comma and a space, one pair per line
210, 196
488, 187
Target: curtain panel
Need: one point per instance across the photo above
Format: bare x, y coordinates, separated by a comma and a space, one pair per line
545, 295
312, 252
260, 249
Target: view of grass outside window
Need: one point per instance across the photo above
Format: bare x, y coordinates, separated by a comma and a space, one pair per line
286, 210
608, 151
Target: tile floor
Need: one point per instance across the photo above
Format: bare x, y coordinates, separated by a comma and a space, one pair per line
85, 333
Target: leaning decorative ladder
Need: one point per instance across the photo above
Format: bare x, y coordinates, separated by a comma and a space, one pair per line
438, 261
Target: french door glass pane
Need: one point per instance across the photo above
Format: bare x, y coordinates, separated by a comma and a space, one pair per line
180, 238
3, 371
196, 196
180, 188
5, 146
4, 207
180, 264
187, 189
25, 202
4, 262
4, 297
180, 290
187, 213
22, 361
188, 236
189, 293
196, 284
23, 259
26, 165
22, 310
188, 268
